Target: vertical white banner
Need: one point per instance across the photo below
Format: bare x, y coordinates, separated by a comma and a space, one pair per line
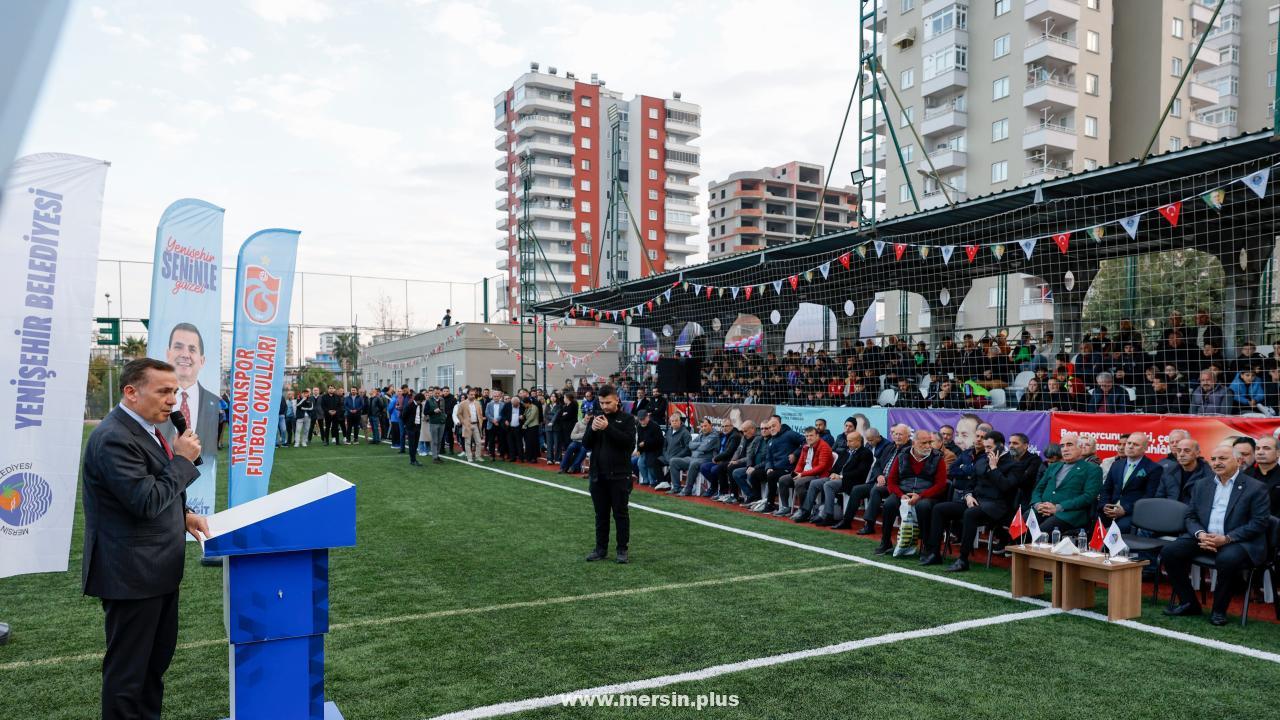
50, 227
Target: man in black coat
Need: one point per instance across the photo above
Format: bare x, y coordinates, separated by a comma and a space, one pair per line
135, 525
985, 499
610, 437
1132, 477
331, 415
1026, 467
1227, 518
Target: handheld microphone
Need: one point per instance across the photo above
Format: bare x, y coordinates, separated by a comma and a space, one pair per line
180, 424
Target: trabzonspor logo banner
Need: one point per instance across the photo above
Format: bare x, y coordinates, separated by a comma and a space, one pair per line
24, 498
261, 294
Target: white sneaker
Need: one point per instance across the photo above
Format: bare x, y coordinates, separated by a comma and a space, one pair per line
662, 486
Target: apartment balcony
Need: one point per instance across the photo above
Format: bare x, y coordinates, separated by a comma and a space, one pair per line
682, 228
877, 118
563, 235
881, 18
1202, 95
1046, 171
545, 147
501, 243
682, 168
502, 223
753, 231
750, 212
679, 188
948, 81
673, 144
677, 247
529, 124
1052, 137
945, 160
551, 212
1208, 59
501, 162
502, 183
503, 203
502, 264
501, 143
1035, 311
943, 119
877, 159
1050, 94
1058, 11
1051, 47
936, 199
564, 193
1201, 17
545, 167
1206, 132
756, 193
539, 100
555, 255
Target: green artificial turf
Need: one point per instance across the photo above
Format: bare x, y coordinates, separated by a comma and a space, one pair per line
420, 628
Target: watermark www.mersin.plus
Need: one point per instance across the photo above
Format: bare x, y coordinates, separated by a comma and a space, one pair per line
654, 700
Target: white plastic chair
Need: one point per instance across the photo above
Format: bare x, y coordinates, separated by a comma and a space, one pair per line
996, 400
888, 396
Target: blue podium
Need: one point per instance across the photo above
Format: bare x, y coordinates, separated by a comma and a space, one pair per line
275, 589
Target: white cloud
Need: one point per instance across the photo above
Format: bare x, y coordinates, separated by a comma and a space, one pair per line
476, 29
237, 55
170, 135
242, 104
193, 49
97, 106
199, 112
284, 11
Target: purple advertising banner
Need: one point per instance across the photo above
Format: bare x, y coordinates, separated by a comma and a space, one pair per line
1035, 425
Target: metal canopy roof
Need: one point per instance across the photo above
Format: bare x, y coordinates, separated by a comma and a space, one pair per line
1128, 175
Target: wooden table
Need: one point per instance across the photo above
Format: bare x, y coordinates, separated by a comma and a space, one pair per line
1075, 580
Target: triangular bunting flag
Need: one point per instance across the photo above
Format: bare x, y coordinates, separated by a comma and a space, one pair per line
808, 276
825, 269
720, 292
735, 293
794, 280
1097, 233
777, 286
1214, 198
697, 289
1028, 246
997, 250
1130, 225
649, 305
971, 251
898, 250
844, 260
862, 251
708, 292
1257, 182
947, 250
879, 247
1171, 212
747, 290
924, 251
1063, 241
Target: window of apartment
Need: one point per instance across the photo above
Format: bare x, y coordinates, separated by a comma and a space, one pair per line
653, 113
1092, 41
586, 186
585, 121
586, 143
653, 234
907, 6
584, 270
1090, 84
1271, 79
945, 21
1001, 46
955, 57
907, 79
586, 164
653, 174
1271, 49
653, 194
908, 152
1000, 130
1273, 14
1176, 29
653, 214
908, 115
1090, 164
585, 248
1093, 4
1175, 108
999, 171
653, 153
586, 228
1229, 85
721, 212
1175, 143
586, 206
586, 101
1002, 7
1000, 88
653, 133
1090, 126
653, 254
1175, 66
904, 193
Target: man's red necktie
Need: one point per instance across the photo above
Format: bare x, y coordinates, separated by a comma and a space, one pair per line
164, 443
186, 409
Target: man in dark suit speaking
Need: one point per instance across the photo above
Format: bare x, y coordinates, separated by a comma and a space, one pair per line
185, 353
134, 535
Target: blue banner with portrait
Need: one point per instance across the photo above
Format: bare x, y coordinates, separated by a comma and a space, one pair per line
1035, 425
264, 289
799, 417
185, 329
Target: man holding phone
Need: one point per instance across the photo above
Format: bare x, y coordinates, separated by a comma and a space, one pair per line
1132, 477
610, 436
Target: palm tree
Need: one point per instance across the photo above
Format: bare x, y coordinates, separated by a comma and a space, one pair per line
346, 348
133, 347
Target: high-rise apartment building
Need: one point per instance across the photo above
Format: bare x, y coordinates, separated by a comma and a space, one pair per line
561, 129
1008, 92
775, 205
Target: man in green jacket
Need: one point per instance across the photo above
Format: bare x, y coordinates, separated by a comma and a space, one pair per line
434, 411
1067, 490
531, 423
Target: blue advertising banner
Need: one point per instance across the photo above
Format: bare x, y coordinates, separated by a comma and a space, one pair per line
799, 417
264, 289
1035, 425
185, 329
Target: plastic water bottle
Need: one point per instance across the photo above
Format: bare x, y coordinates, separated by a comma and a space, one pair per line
1082, 541
1055, 537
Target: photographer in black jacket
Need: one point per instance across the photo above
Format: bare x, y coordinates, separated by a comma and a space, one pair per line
610, 437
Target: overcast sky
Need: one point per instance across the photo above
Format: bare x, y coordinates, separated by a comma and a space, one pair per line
368, 124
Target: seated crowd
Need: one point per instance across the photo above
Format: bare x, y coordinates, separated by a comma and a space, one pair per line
1186, 372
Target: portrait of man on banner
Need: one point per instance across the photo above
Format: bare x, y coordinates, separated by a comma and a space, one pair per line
197, 403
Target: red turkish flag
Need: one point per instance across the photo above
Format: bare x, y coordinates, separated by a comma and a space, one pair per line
898, 250
1171, 212
1063, 241
971, 251
1095, 542
1017, 527
844, 260
794, 280
708, 292
747, 289
573, 313
649, 305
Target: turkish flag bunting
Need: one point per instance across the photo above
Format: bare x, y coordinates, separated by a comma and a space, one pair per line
898, 250
971, 251
747, 289
844, 260
794, 280
649, 306
708, 292
1171, 212
1063, 241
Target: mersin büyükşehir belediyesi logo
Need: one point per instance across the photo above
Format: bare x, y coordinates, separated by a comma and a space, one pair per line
24, 498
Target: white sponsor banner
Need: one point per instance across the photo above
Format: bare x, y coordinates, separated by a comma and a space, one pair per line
50, 225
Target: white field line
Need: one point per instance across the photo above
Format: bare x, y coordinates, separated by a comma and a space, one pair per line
508, 708
370, 622
1143, 627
